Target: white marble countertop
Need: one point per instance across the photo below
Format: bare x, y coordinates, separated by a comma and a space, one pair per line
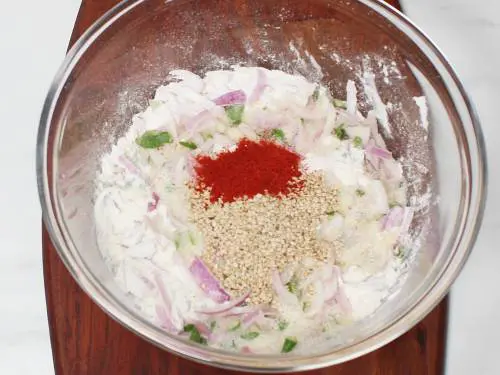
34, 36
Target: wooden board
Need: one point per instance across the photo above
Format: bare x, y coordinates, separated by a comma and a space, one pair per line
85, 341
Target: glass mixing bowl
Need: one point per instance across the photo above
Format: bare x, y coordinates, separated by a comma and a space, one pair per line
112, 71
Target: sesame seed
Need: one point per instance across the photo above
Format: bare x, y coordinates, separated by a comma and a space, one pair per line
247, 239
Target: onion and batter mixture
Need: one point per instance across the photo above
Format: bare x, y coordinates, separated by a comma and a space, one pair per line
250, 211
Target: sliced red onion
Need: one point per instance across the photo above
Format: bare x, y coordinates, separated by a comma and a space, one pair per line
335, 292
225, 306
373, 161
371, 120
392, 170
393, 218
231, 98
164, 312
407, 219
251, 318
240, 310
398, 217
260, 86
246, 350
281, 291
318, 299
217, 337
332, 284
129, 165
377, 151
343, 301
207, 282
194, 122
164, 319
261, 315
202, 328
163, 292
152, 205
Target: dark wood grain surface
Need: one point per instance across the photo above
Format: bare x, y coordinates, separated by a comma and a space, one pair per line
85, 341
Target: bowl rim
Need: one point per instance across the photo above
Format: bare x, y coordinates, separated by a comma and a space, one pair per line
118, 311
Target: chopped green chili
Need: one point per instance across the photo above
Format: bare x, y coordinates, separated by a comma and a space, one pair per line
154, 139
292, 286
189, 327
282, 325
188, 144
194, 334
289, 344
341, 133
315, 94
235, 113
357, 142
337, 103
360, 192
206, 135
400, 252
278, 134
235, 326
250, 335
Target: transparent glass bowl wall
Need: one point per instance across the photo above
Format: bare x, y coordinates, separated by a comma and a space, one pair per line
114, 68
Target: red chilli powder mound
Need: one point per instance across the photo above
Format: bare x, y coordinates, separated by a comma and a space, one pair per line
252, 168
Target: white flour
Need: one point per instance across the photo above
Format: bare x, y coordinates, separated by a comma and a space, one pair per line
424, 111
141, 245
